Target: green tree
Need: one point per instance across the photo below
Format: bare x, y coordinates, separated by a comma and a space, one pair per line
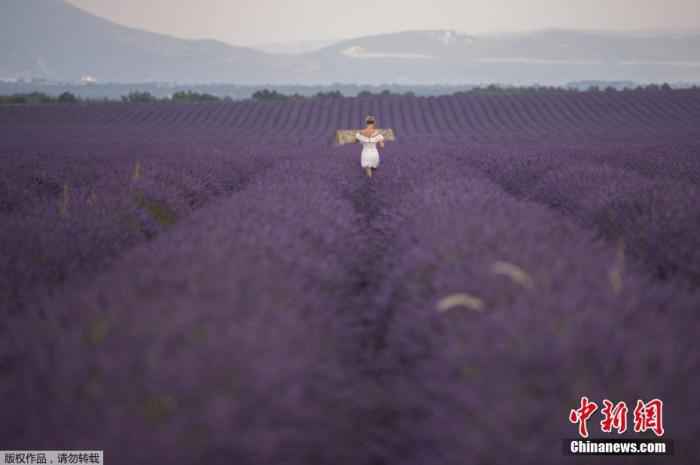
267, 95
190, 96
139, 97
67, 97
329, 94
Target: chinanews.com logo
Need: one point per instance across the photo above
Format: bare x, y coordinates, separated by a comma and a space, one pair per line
646, 416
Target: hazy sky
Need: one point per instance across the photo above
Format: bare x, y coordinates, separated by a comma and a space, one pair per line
252, 22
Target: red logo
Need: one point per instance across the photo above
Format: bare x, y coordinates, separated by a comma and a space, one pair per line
582, 414
614, 417
647, 416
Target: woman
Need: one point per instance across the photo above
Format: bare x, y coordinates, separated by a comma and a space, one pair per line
369, 137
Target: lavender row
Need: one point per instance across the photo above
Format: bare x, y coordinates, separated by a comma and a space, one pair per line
458, 116
73, 201
216, 339
614, 192
500, 314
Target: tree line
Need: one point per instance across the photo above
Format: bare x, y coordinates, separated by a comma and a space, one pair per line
266, 95
131, 97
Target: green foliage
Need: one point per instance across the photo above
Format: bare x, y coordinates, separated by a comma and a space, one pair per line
11, 99
97, 331
67, 97
655, 88
495, 89
267, 95
158, 210
34, 97
384, 92
139, 97
329, 94
190, 96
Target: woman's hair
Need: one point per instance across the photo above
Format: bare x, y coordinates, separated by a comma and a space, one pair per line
370, 120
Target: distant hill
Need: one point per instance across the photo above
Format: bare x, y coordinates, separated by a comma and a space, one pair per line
54, 40
547, 57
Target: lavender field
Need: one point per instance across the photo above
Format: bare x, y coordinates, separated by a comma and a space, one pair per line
220, 284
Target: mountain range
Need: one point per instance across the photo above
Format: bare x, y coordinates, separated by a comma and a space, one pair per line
54, 40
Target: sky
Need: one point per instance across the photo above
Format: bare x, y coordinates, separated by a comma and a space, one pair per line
256, 22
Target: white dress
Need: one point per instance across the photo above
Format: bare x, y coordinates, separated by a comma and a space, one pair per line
370, 154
